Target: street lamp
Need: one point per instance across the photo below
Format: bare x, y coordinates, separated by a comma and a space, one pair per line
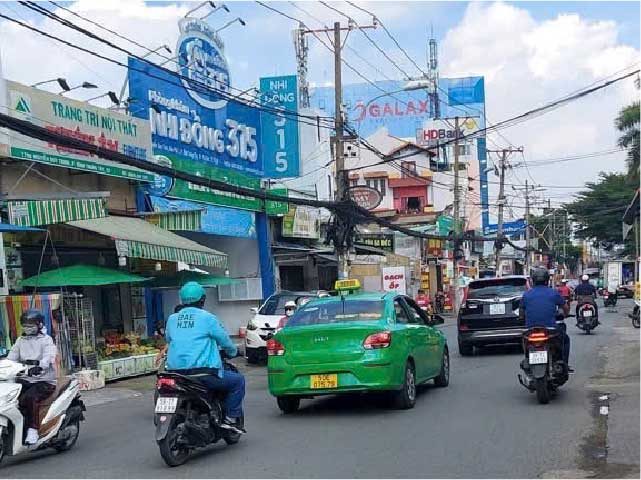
149, 53
198, 7
112, 96
221, 7
237, 19
409, 86
82, 85
61, 81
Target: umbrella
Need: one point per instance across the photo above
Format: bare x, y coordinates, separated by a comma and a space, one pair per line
82, 276
185, 276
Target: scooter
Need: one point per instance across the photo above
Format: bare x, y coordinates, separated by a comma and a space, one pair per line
60, 427
634, 316
587, 319
189, 416
609, 299
544, 370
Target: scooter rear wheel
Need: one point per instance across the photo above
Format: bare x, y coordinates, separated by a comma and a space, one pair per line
542, 391
173, 454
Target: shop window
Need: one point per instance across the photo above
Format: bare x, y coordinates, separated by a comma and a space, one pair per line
353, 182
377, 184
414, 204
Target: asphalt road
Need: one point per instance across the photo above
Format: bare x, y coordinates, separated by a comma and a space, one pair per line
483, 425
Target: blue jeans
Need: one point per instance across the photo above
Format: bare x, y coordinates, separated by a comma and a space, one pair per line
234, 384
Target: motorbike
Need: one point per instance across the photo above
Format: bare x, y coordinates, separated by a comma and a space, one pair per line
587, 318
63, 412
544, 370
188, 416
609, 299
634, 316
439, 303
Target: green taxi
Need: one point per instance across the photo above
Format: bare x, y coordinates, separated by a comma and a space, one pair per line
353, 343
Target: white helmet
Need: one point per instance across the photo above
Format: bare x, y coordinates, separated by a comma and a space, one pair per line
290, 304
585, 277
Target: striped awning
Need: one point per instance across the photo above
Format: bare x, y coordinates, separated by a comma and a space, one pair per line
187, 220
31, 213
136, 238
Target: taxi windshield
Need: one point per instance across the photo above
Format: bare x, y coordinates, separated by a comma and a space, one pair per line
338, 312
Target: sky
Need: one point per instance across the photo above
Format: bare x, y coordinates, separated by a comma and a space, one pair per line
529, 52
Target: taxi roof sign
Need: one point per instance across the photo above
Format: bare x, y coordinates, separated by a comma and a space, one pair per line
347, 285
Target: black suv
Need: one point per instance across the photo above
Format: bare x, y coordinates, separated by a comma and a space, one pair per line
489, 315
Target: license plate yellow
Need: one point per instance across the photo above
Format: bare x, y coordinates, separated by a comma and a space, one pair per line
321, 382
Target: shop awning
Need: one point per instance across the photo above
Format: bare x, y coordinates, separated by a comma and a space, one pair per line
185, 276
185, 220
29, 213
9, 228
136, 238
80, 276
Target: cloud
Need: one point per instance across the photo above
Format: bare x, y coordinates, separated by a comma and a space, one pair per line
528, 63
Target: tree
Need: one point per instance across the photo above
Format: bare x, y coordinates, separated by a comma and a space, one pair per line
598, 209
628, 124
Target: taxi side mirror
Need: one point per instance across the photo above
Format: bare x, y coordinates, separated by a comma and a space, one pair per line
437, 320
254, 310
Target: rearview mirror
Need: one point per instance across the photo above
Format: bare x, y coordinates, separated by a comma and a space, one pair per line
254, 310
437, 320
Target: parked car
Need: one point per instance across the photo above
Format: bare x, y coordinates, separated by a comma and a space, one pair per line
626, 291
362, 342
489, 313
263, 324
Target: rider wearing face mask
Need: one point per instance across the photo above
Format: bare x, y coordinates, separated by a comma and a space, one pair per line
40, 383
290, 309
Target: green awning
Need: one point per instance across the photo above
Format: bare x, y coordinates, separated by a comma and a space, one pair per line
30, 213
184, 220
135, 238
80, 276
185, 276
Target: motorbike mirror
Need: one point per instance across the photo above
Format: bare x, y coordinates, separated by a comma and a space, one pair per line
33, 363
437, 320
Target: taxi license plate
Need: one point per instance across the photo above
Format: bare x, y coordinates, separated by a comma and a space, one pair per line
497, 309
321, 382
537, 358
166, 404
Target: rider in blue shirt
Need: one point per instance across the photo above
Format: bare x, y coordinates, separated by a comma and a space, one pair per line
194, 337
539, 305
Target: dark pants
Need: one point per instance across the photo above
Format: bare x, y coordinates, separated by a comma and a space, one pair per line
30, 397
566, 342
234, 384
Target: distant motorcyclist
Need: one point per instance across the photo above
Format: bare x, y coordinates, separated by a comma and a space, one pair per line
539, 306
585, 293
40, 382
290, 310
193, 338
564, 290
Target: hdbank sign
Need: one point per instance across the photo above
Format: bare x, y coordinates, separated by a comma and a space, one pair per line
193, 120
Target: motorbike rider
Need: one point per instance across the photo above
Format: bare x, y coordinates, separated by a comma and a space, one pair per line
40, 382
539, 306
290, 310
564, 290
194, 337
585, 293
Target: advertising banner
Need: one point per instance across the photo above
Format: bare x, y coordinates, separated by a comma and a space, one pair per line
394, 280
279, 137
81, 121
509, 228
384, 241
301, 222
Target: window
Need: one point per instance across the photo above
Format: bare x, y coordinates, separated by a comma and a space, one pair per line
464, 149
338, 312
353, 182
413, 204
275, 305
499, 287
420, 316
401, 314
409, 168
377, 184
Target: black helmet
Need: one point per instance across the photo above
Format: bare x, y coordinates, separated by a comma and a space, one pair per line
540, 276
31, 321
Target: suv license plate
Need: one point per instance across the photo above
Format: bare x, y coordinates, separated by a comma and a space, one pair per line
166, 404
497, 309
537, 358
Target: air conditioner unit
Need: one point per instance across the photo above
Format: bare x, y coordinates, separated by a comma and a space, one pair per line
244, 289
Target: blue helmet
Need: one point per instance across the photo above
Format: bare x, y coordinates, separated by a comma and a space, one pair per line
191, 292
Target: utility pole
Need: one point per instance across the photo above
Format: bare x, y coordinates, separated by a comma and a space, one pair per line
339, 154
528, 232
501, 201
457, 214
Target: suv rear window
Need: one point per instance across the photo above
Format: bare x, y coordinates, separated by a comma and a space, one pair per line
338, 312
499, 287
275, 305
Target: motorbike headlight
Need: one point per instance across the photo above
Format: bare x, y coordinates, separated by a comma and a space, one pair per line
10, 394
251, 326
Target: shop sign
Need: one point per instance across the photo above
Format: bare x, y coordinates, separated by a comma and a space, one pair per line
279, 137
214, 220
277, 208
509, 228
81, 121
394, 279
445, 224
434, 247
365, 197
384, 241
437, 132
191, 113
301, 222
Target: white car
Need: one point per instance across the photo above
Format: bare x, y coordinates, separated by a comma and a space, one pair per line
265, 321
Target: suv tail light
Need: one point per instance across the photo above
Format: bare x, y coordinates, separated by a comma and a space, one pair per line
378, 340
166, 383
275, 348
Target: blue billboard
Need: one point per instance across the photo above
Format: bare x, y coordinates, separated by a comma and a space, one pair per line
279, 139
189, 116
509, 228
386, 104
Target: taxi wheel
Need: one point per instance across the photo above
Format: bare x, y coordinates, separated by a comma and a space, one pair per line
288, 404
443, 379
405, 398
